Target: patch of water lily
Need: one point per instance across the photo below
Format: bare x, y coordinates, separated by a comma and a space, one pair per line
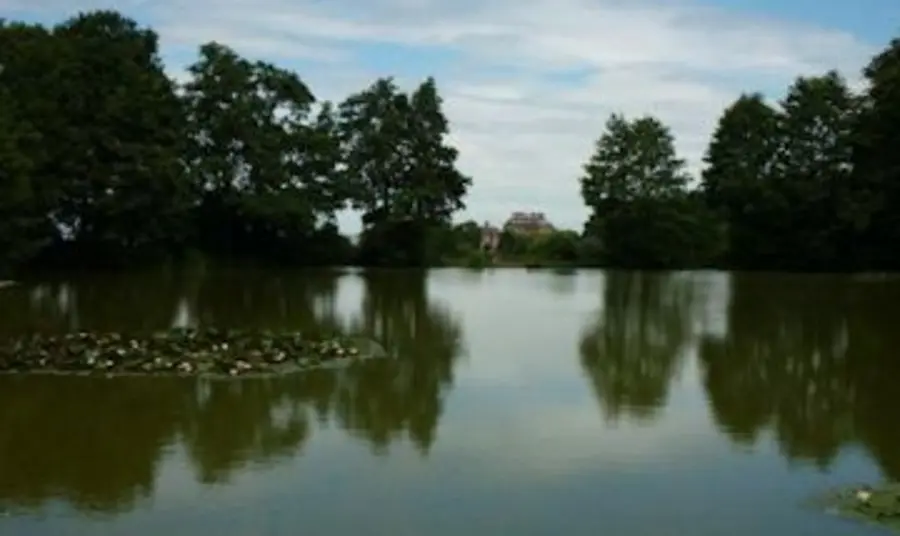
875, 504
177, 351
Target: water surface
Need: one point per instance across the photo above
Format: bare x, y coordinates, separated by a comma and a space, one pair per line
521, 403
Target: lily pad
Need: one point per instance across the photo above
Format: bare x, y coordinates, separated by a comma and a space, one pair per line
874, 504
186, 352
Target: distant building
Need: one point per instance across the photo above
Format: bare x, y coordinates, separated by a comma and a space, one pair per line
528, 223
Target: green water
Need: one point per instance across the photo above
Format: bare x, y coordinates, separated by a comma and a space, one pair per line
517, 402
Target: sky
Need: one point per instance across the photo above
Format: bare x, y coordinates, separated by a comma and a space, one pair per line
528, 86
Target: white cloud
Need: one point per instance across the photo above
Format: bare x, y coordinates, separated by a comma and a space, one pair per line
528, 85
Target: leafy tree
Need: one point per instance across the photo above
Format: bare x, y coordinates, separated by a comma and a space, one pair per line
662, 234
737, 180
402, 171
467, 235
555, 247
812, 170
118, 158
103, 161
455, 243
741, 152
264, 166
20, 224
635, 186
781, 176
513, 244
632, 160
876, 161
30, 122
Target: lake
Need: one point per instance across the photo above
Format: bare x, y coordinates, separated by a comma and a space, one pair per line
514, 402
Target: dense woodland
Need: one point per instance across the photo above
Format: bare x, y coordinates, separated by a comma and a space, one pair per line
105, 161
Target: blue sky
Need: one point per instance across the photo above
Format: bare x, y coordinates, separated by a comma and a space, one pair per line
876, 20
528, 85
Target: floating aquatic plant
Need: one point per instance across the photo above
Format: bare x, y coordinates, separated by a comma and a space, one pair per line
177, 351
875, 504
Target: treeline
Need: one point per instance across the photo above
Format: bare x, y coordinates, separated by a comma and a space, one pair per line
812, 183
106, 161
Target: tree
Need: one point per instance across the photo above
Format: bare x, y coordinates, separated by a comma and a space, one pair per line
402, 171
876, 161
635, 187
555, 247
737, 180
30, 124
118, 163
781, 177
467, 236
632, 160
20, 224
812, 169
263, 165
741, 152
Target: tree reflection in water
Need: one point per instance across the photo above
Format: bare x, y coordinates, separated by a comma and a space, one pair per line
638, 341
96, 443
812, 359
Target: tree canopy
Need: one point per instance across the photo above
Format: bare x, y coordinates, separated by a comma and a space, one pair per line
107, 161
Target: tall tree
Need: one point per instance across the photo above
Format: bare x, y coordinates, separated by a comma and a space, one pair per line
31, 120
635, 187
632, 160
876, 160
741, 155
738, 178
20, 223
403, 171
812, 169
122, 181
437, 186
262, 161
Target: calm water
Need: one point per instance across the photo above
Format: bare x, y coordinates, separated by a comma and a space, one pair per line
520, 403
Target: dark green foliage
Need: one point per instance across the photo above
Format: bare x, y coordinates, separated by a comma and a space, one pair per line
556, 246
22, 229
546, 248
99, 126
513, 245
107, 162
262, 164
462, 238
29, 126
736, 182
783, 179
661, 234
401, 173
811, 185
876, 164
121, 144
642, 214
812, 170
632, 160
